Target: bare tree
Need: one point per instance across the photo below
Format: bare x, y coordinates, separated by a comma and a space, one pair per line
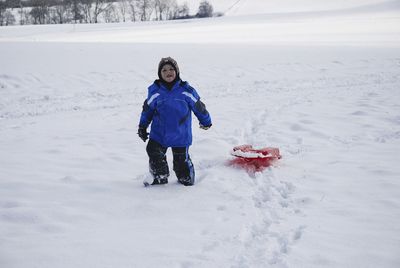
40, 11
22, 13
90, 11
180, 12
61, 12
99, 7
123, 9
205, 9
76, 9
86, 10
111, 15
9, 18
145, 9
12, 3
133, 9
163, 8
3, 8
158, 8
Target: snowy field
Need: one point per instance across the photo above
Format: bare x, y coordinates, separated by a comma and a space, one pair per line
323, 86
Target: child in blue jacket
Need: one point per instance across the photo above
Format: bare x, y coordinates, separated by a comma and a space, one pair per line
168, 107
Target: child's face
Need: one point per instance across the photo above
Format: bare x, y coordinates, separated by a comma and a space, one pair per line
168, 73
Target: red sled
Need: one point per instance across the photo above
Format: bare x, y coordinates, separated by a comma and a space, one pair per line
254, 160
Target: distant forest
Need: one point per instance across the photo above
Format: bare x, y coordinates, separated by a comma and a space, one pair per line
23, 12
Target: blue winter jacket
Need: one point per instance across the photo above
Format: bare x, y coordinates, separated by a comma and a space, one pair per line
170, 113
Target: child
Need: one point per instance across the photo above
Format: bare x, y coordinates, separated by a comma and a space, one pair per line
168, 108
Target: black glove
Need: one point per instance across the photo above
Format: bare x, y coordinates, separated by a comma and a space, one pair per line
205, 127
142, 132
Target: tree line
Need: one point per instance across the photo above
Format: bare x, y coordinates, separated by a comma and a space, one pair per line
93, 11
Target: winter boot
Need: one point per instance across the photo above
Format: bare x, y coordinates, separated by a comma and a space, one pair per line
160, 179
184, 171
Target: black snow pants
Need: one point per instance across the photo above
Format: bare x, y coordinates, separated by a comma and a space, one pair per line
182, 164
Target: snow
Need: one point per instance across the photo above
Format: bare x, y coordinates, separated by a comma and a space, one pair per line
246, 7
322, 86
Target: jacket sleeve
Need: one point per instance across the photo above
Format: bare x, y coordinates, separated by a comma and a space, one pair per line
197, 106
148, 109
